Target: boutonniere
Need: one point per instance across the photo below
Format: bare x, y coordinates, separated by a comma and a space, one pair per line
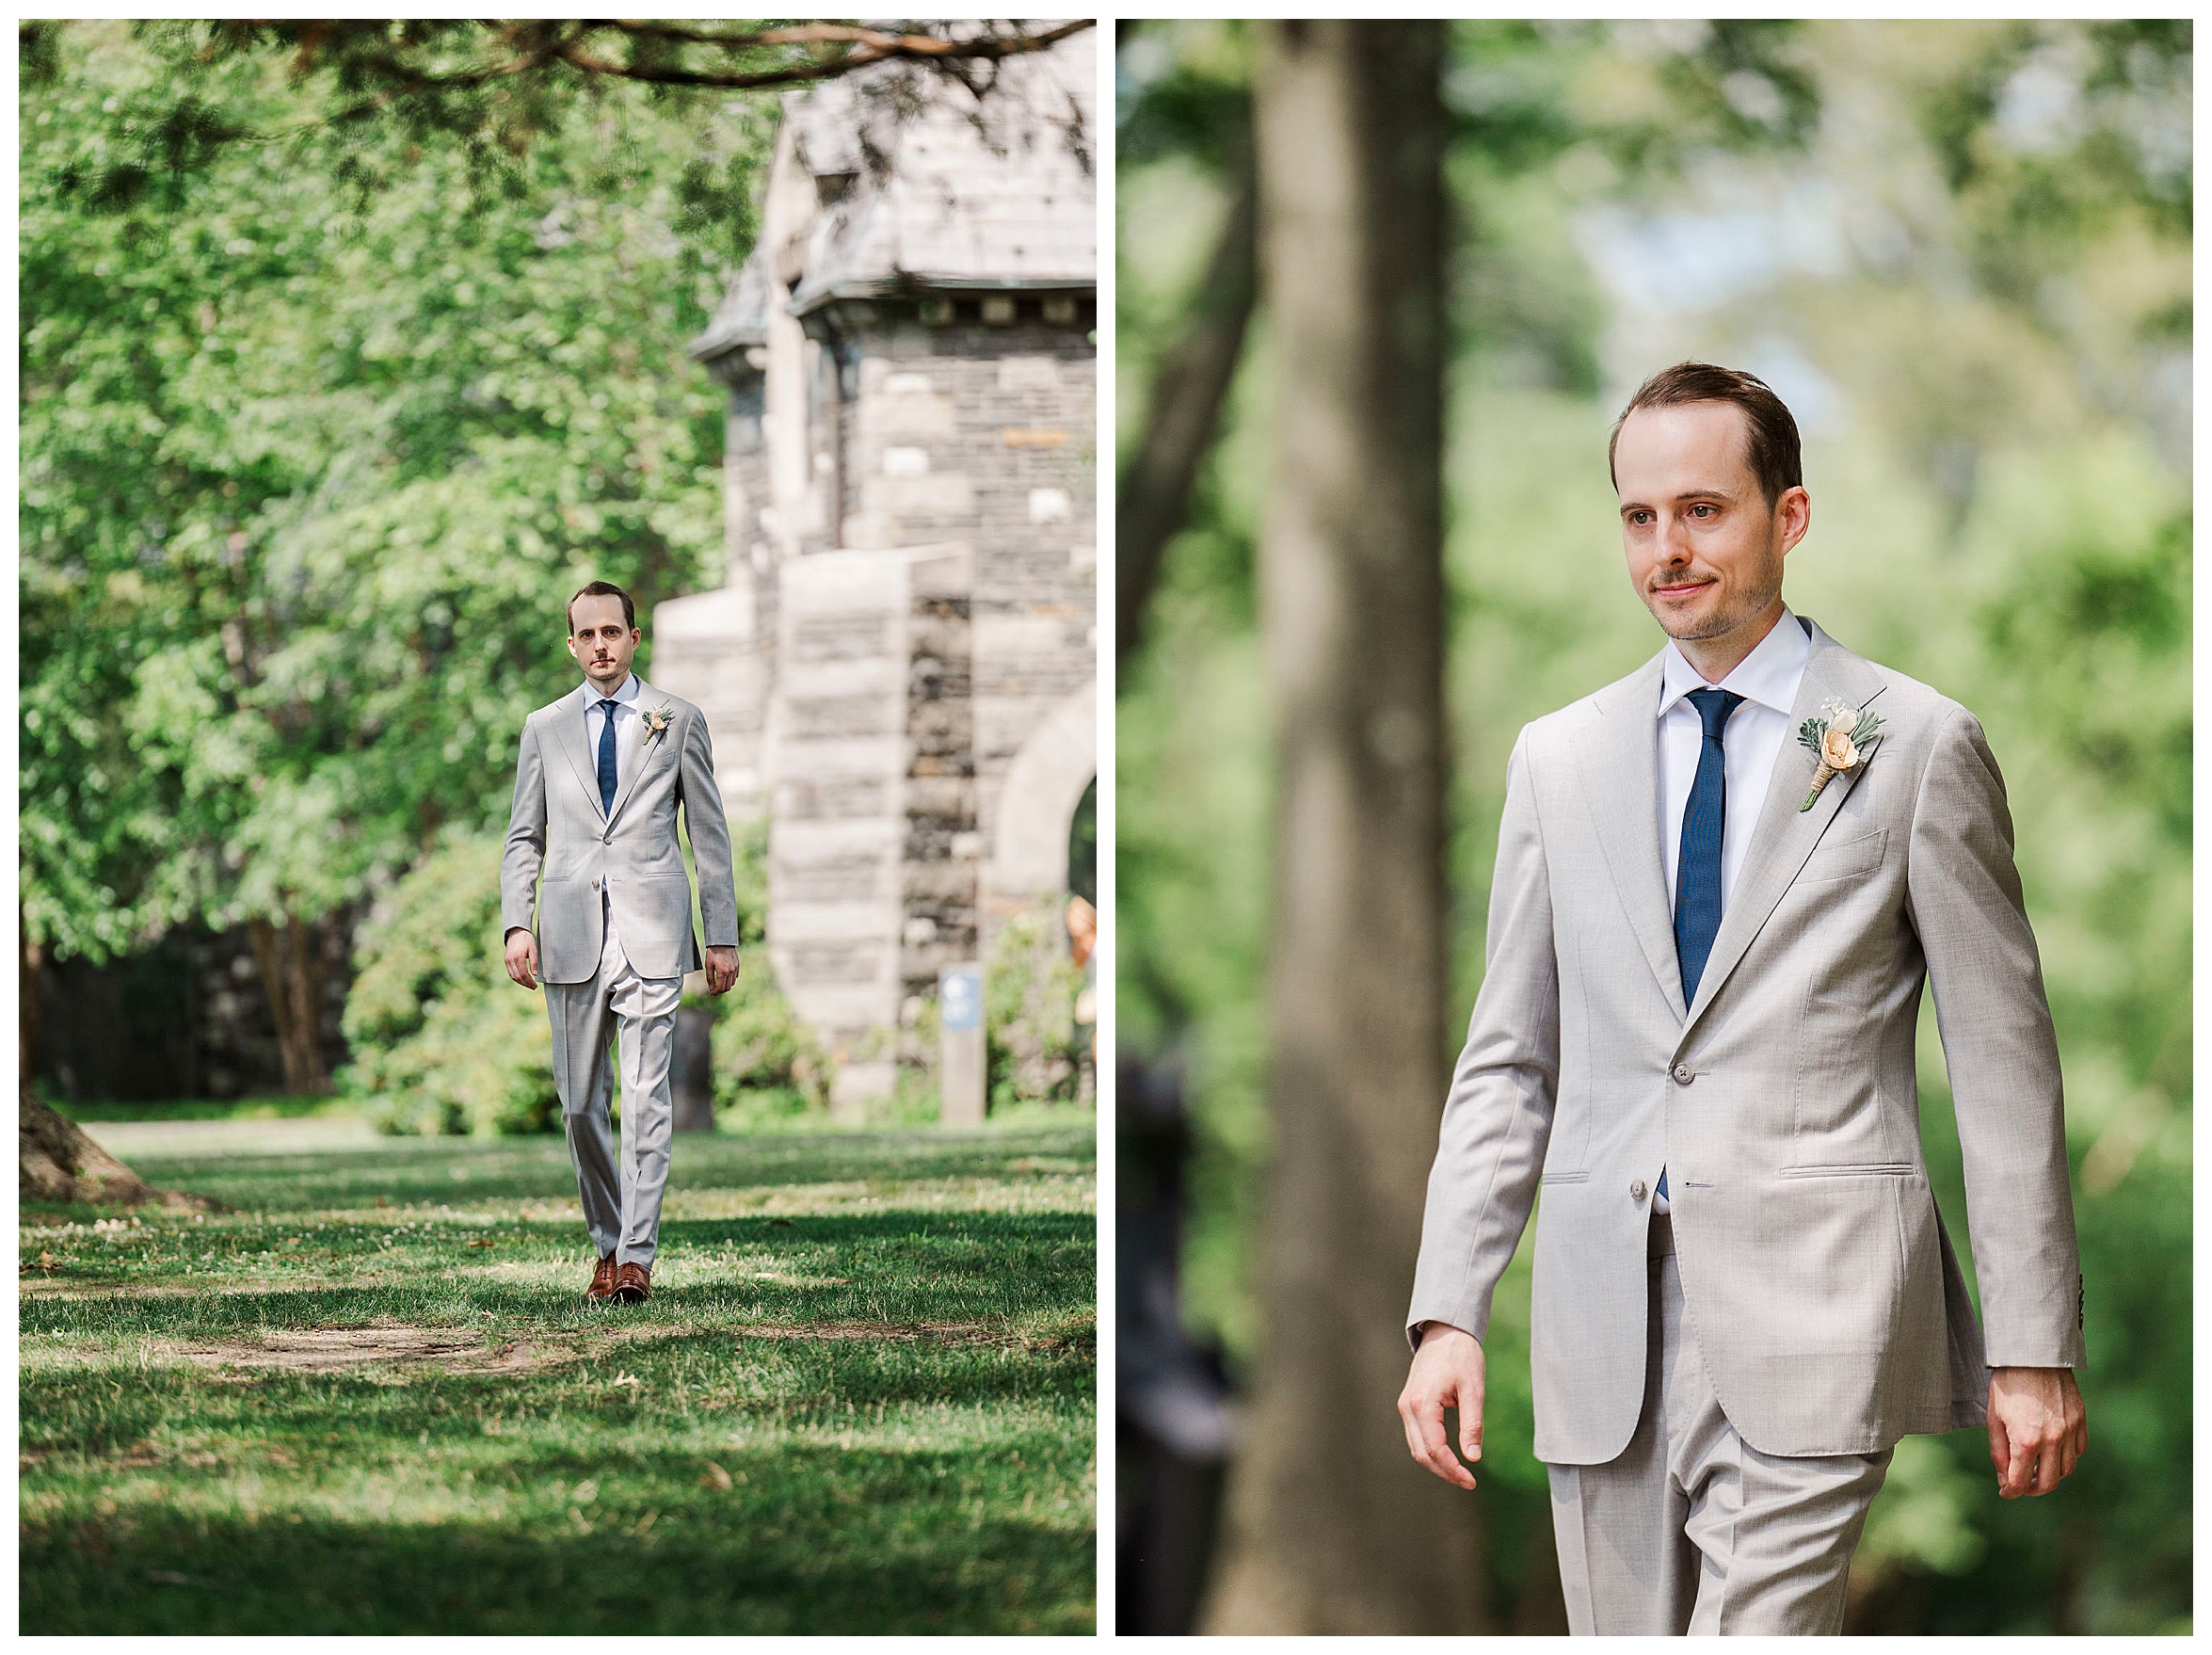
657, 720
1838, 741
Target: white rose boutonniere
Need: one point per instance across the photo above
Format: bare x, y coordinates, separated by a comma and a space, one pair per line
1838, 741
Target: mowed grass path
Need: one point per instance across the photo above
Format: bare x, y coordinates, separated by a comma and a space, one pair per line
370, 1398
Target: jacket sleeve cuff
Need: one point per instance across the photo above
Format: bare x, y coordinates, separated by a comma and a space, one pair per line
1471, 1317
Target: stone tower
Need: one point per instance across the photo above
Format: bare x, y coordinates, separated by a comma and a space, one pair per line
900, 670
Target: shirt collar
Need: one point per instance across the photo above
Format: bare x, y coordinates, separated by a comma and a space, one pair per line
627, 693
1769, 675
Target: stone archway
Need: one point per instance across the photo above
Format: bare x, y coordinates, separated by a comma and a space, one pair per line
1036, 803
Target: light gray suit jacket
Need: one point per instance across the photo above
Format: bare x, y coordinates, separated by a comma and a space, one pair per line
631, 851
1820, 1281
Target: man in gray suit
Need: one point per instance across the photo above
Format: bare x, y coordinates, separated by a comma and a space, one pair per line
1721, 883
601, 773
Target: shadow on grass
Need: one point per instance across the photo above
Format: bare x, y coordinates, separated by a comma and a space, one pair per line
436, 1170
890, 1268
705, 1381
881, 1562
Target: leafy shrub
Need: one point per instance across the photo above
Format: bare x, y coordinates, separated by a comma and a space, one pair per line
761, 1046
767, 1066
442, 1041
1029, 992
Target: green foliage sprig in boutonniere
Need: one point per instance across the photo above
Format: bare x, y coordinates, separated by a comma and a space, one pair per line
1838, 741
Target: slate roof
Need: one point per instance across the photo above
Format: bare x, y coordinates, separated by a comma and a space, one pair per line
740, 319
957, 194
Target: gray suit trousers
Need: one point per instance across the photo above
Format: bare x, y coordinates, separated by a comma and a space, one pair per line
1691, 1529
621, 1204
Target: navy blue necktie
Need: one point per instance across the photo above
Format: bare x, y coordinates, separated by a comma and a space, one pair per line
1697, 870
606, 758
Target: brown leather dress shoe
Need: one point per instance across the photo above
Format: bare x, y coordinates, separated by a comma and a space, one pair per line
602, 1279
633, 1284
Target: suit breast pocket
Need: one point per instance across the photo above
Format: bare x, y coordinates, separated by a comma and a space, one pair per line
1851, 859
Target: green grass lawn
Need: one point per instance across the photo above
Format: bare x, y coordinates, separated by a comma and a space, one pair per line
369, 1397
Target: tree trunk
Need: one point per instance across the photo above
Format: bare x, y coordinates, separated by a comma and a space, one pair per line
291, 960
692, 1080
1333, 1528
56, 1162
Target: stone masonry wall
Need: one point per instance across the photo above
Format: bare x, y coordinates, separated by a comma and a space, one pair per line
983, 433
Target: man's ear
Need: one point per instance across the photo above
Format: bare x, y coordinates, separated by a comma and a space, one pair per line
1795, 522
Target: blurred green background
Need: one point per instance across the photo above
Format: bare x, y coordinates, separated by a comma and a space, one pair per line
1961, 251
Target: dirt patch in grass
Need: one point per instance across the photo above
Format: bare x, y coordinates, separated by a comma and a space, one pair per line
458, 1350
322, 1350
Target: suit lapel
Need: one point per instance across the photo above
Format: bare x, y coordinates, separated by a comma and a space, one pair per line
649, 747
1618, 765
569, 735
1784, 836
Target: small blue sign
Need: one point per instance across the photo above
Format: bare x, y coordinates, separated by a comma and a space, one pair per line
959, 993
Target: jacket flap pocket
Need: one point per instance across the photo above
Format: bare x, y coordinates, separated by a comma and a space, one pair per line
1845, 860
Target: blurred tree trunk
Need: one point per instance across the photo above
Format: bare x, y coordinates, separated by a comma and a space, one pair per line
692, 1067
53, 1160
289, 957
1333, 1528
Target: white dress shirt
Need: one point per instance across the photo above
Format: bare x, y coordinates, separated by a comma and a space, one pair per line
630, 725
1767, 678
1751, 741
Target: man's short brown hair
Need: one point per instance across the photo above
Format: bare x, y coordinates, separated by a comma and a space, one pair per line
603, 589
1773, 453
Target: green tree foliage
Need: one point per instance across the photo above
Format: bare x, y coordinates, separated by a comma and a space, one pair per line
308, 468
490, 90
1999, 324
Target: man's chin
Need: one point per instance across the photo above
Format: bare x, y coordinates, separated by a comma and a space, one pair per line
1690, 625
1686, 623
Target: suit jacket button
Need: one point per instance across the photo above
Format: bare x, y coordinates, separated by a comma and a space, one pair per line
1636, 1191
1684, 1074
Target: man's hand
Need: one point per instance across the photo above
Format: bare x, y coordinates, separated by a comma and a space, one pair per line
721, 969
2037, 1428
522, 956
1447, 1373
